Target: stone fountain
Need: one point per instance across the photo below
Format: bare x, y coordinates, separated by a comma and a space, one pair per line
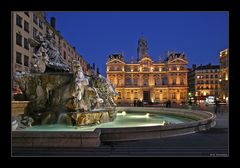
59, 93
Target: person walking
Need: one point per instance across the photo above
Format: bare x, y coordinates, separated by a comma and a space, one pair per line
166, 104
216, 106
134, 103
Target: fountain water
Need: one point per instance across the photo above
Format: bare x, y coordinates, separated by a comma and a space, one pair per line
147, 115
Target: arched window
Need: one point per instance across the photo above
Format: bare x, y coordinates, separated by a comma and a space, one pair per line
157, 81
128, 81
145, 82
135, 81
174, 95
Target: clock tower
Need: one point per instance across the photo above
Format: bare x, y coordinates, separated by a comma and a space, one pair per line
142, 49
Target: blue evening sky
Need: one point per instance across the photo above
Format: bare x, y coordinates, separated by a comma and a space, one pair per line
200, 35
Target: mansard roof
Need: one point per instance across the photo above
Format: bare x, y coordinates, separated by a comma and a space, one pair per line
209, 66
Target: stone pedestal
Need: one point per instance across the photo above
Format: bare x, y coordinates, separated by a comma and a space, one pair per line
18, 107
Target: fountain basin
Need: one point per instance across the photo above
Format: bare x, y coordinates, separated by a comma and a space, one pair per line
202, 120
198, 121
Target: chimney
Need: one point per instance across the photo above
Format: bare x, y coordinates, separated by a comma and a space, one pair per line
53, 22
74, 48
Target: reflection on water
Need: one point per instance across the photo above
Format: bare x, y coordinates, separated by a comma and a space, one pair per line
123, 120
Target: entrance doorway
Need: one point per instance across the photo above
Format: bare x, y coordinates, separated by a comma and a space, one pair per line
146, 96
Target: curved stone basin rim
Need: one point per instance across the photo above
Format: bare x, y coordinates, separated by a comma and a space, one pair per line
206, 121
101, 135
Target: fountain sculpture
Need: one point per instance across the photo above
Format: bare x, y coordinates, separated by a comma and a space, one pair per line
59, 93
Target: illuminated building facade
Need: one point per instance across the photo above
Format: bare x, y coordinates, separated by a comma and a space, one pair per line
147, 80
223, 80
206, 81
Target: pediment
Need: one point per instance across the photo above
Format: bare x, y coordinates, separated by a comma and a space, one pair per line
178, 61
115, 61
146, 59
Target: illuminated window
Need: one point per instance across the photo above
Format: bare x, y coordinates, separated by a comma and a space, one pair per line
182, 95
135, 95
174, 95
164, 96
226, 77
128, 95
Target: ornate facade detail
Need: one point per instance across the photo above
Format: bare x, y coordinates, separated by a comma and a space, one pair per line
148, 80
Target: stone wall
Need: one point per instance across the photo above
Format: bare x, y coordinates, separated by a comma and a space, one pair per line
19, 107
